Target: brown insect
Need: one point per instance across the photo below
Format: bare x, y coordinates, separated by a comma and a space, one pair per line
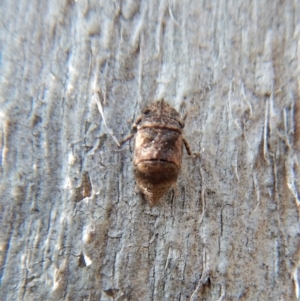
158, 149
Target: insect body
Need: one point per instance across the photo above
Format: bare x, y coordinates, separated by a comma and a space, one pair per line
158, 149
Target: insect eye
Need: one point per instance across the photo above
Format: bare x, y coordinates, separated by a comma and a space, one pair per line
146, 111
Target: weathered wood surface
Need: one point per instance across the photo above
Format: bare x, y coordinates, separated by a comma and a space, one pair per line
73, 226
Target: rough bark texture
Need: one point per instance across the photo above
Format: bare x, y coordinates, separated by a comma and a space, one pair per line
74, 76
